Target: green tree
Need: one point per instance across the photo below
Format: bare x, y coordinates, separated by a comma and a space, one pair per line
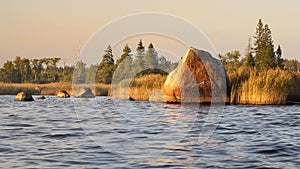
17, 70
151, 57
140, 50
292, 65
37, 68
126, 53
231, 60
123, 66
279, 57
139, 63
7, 72
67, 73
106, 67
53, 70
264, 48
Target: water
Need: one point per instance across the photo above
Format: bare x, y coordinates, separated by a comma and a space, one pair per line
105, 133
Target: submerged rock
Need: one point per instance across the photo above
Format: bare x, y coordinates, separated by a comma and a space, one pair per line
62, 94
198, 78
22, 96
85, 93
41, 97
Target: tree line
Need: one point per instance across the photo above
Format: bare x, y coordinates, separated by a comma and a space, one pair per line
46, 70
23, 70
260, 55
130, 65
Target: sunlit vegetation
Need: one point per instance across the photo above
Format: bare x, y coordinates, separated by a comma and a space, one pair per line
262, 76
24, 74
48, 89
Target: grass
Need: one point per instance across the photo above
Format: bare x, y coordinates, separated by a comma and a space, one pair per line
249, 86
48, 89
139, 88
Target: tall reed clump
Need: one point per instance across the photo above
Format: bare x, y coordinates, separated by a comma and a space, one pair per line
102, 89
139, 88
263, 87
236, 80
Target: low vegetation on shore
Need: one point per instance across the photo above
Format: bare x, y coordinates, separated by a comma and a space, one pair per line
47, 89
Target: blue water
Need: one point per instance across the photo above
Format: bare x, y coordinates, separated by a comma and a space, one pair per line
106, 133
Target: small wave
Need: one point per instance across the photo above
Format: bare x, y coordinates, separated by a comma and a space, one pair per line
18, 125
60, 136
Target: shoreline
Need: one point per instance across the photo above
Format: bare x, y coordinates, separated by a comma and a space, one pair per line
50, 89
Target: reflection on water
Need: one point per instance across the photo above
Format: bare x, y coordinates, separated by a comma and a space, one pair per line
105, 133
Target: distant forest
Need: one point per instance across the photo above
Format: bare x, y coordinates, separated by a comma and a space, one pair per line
40, 71
260, 56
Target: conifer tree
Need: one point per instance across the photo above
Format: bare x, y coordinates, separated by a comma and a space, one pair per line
106, 67
264, 48
123, 66
151, 58
279, 57
139, 63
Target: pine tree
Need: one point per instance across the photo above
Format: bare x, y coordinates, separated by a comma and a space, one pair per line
279, 57
139, 63
264, 48
140, 50
123, 66
151, 58
126, 53
106, 67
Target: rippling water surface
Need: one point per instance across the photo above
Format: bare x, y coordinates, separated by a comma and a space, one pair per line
106, 133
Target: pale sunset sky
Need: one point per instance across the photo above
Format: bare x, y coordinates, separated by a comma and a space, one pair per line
48, 28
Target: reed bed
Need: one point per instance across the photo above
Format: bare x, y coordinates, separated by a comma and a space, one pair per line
249, 86
139, 88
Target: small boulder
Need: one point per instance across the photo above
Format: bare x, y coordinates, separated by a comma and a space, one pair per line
131, 99
22, 96
41, 97
62, 94
85, 93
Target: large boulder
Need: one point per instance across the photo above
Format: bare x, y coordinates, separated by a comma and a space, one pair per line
198, 78
62, 94
85, 93
22, 96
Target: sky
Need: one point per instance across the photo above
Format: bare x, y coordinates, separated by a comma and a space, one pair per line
48, 28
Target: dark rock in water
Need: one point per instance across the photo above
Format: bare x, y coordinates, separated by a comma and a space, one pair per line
198, 78
131, 99
85, 93
62, 94
22, 96
41, 97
